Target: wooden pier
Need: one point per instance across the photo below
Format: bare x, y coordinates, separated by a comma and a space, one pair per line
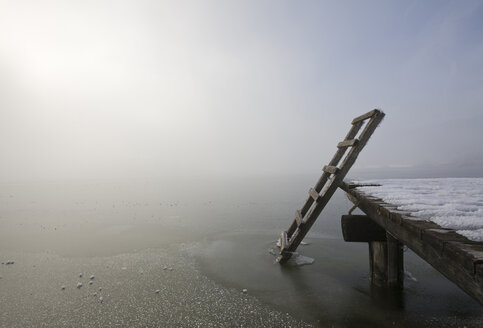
456, 257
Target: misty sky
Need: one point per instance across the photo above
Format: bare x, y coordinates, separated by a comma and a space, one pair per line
114, 89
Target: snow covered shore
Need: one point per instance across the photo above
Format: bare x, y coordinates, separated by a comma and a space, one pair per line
453, 203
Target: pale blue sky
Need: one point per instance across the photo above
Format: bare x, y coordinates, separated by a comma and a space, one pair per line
149, 88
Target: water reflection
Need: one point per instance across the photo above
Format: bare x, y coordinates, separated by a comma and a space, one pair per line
387, 298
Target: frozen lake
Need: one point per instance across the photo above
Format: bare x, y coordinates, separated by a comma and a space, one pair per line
199, 244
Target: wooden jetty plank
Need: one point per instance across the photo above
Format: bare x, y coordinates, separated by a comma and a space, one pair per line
439, 237
479, 272
468, 254
456, 260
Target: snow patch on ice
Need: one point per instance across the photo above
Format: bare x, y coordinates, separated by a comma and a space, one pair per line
453, 203
475, 235
303, 260
299, 260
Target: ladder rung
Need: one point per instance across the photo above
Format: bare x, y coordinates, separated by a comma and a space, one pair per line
348, 143
283, 240
314, 194
298, 218
365, 116
331, 169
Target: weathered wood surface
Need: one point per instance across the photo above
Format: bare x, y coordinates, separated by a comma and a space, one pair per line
378, 263
456, 257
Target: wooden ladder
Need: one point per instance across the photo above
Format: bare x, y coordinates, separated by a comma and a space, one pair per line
315, 203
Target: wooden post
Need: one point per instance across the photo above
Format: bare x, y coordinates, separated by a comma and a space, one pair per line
378, 263
386, 263
395, 265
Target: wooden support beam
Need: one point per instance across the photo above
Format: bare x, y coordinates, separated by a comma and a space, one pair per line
395, 263
360, 228
386, 263
378, 263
